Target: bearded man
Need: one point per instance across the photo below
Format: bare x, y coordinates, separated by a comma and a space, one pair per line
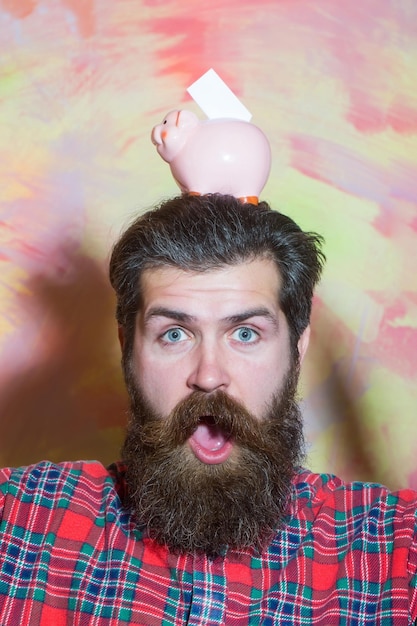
209, 518
211, 351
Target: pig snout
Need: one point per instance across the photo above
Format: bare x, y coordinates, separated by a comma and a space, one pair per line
156, 135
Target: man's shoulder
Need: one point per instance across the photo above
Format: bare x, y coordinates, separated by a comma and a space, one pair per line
55, 480
330, 493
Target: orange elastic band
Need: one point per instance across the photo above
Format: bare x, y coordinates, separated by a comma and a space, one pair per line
249, 200
244, 200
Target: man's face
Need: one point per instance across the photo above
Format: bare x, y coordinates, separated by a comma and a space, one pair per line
218, 330
216, 433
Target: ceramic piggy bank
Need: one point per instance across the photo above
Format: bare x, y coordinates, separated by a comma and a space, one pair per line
227, 156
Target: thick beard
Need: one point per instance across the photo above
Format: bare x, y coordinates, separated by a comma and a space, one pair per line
193, 507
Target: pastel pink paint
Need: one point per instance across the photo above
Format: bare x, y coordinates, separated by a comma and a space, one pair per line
18, 8
193, 51
305, 157
385, 221
395, 346
187, 55
366, 118
412, 480
369, 118
403, 119
413, 224
83, 12
338, 166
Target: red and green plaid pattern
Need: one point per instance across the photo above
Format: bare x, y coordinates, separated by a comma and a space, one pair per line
70, 556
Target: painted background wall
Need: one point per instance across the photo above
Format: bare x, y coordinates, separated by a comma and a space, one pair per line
333, 84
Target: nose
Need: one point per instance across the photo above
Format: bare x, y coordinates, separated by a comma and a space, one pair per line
209, 371
156, 136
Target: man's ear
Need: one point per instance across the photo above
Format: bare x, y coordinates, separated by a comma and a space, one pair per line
121, 333
303, 343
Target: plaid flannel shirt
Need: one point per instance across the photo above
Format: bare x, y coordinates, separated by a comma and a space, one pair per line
70, 555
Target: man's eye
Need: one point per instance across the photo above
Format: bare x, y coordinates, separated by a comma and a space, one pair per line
245, 335
173, 335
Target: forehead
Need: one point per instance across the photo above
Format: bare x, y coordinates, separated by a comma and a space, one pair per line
256, 280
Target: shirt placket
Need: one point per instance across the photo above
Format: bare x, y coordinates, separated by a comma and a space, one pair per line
208, 602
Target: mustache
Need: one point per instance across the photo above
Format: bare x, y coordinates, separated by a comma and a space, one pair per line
218, 410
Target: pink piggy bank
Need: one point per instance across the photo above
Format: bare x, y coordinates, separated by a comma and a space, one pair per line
226, 156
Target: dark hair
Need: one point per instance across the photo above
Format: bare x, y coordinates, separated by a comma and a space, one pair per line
201, 233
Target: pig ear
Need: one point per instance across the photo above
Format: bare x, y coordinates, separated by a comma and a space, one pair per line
186, 119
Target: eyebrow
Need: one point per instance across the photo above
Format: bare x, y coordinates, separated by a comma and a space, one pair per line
173, 314
180, 316
258, 312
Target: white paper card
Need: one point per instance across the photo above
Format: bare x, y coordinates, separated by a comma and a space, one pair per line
216, 99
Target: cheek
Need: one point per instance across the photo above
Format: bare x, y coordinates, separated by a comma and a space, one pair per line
163, 385
258, 382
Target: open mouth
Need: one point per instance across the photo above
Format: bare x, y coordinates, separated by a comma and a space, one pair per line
209, 443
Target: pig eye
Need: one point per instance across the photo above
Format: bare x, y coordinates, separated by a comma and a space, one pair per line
164, 122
